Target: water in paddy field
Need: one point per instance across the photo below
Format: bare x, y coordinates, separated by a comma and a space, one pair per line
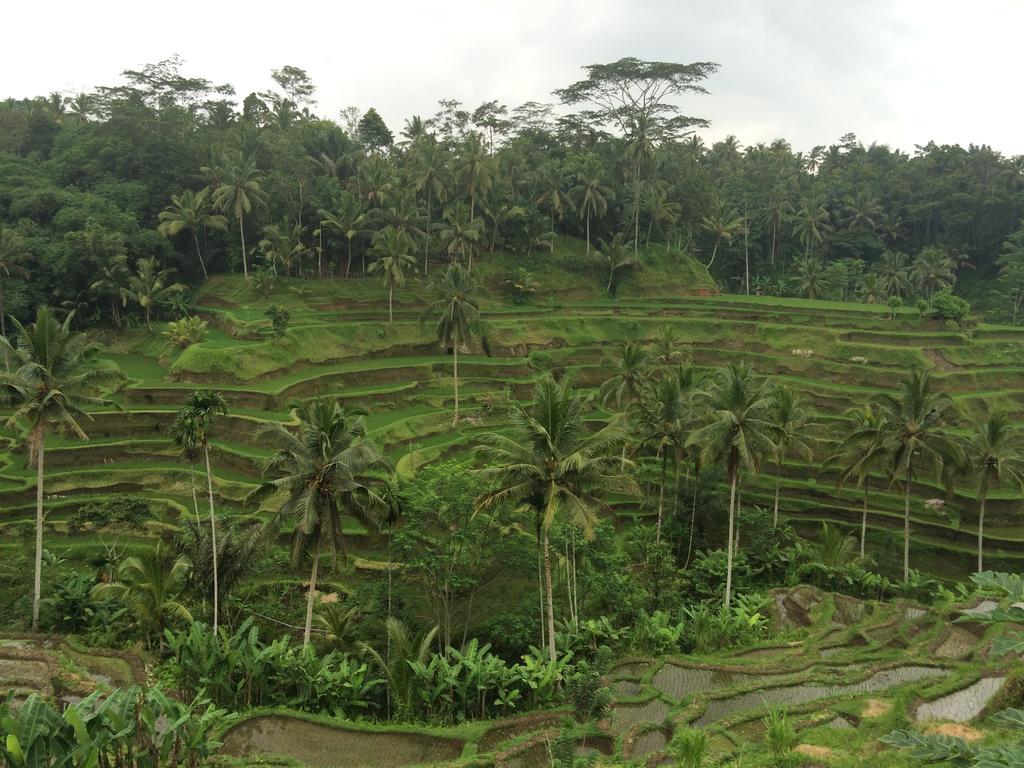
794, 695
626, 716
679, 682
963, 705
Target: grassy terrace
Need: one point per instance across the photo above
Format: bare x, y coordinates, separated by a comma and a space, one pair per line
339, 344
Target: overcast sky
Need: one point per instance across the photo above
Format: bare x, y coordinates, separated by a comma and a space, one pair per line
899, 72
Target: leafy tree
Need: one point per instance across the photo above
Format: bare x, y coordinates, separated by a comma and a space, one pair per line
327, 469
279, 318
374, 132
394, 255
458, 317
191, 211
238, 193
53, 381
737, 430
148, 285
813, 276
13, 252
994, 455
551, 467
933, 270
348, 220
661, 425
618, 259
592, 197
859, 452
794, 434
723, 224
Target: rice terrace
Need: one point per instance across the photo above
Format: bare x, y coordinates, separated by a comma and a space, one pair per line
567, 434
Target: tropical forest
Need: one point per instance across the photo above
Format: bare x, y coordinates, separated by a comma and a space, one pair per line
533, 435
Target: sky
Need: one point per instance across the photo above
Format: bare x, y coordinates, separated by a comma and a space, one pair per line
897, 72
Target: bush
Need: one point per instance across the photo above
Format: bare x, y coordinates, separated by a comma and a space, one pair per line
119, 510
185, 332
590, 699
946, 306
279, 318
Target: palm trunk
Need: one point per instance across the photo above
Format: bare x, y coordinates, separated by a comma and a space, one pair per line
733, 481
714, 252
311, 595
906, 526
983, 494
3, 323
636, 214
550, 597
37, 584
661, 495
588, 233
864, 520
426, 239
195, 496
775, 511
391, 294
348, 264
455, 368
540, 595
693, 517
213, 540
241, 232
320, 256
774, 229
199, 253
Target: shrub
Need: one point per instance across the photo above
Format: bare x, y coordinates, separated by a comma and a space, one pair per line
946, 306
185, 332
279, 318
895, 303
522, 285
119, 510
589, 698
780, 736
689, 748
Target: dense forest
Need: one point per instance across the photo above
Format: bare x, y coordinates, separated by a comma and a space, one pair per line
164, 167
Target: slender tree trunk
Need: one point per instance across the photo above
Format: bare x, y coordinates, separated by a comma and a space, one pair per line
775, 512
348, 264
241, 232
746, 255
213, 539
195, 496
37, 584
550, 597
661, 495
3, 323
588, 233
540, 595
906, 526
391, 294
199, 253
983, 494
426, 239
775, 227
714, 252
693, 518
455, 379
864, 520
320, 256
733, 481
636, 214
311, 596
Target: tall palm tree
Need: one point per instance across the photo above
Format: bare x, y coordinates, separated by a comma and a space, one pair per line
660, 418
640, 148
458, 316
192, 211
723, 224
239, 193
618, 259
738, 430
429, 177
813, 276
552, 195
894, 271
994, 454
348, 220
150, 584
394, 255
776, 211
549, 465
53, 381
185, 436
873, 289
460, 234
592, 197
933, 269
475, 173
13, 252
861, 451
199, 413
914, 438
327, 468
863, 211
810, 224
629, 370
148, 285
794, 434
111, 282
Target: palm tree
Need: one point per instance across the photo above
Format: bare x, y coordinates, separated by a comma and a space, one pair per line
405, 652
553, 195
894, 271
775, 212
150, 584
111, 282
933, 269
618, 258
428, 177
13, 251
239, 193
474, 171
723, 224
593, 199
348, 220
282, 245
51, 385
667, 347
148, 285
191, 210
185, 436
327, 468
640, 149
738, 430
794, 430
458, 316
810, 224
873, 289
628, 374
394, 255
549, 465
994, 454
913, 437
813, 276
200, 411
460, 233
860, 451
661, 426
863, 212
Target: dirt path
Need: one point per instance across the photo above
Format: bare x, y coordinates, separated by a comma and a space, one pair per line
939, 360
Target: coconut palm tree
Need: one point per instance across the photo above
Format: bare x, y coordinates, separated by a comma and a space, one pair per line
474, 171
199, 413
238, 193
914, 439
618, 259
873, 289
458, 317
660, 417
860, 451
623, 388
794, 434
994, 455
738, 430
460, 234
150, 584
894, 271
933, 269
723, 224
185, 436
13, 252
327, 468
813, 276
430, 178
592, 199
53, 381
667, 347
776, 211
348, 220
863, 211
394, 255
550, 466
810, 224
148, 285
111, 283
552, 195
191, 211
